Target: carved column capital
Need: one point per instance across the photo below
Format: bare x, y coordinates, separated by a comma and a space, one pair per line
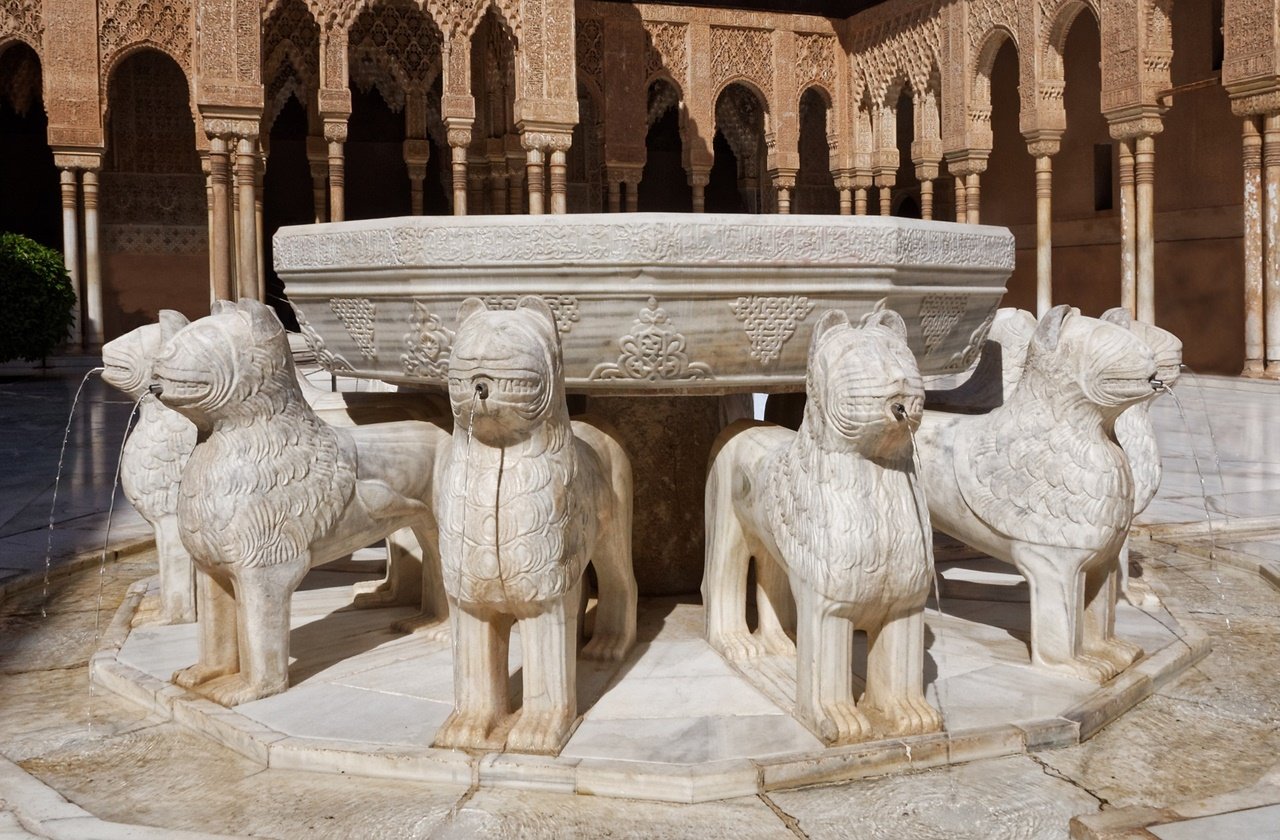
77, 159
1127, 128
969, 162
546, 140
1042, 144
335, 131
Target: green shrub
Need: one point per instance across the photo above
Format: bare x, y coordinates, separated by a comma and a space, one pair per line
37, 298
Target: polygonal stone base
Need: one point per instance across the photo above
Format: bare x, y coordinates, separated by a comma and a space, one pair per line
673, 722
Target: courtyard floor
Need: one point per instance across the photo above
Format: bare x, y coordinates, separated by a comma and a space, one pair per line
80, 762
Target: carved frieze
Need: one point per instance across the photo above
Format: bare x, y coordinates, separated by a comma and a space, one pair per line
427, 344
162, 23
23, 18
564, 307
358, 315
653, 350
816, 61
667, 49
737, 52
590, 50
326, 358
770, 322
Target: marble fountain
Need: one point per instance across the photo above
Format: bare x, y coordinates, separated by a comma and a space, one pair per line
493, 507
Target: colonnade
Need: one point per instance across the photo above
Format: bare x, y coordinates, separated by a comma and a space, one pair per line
1261, 148
234, 178
78, 174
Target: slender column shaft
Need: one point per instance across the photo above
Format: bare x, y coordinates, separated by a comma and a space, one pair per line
1128, 231
962, 211
615, 196
559, 183
1144, 181
92, 261
1044, 234
698, 182
926, 200
846, 202
973, 198
885, 193
784, 201
71, 243
633, 196
1271, 227
220, 245
860, 201
459, 160
247, 247
260, 247
1254, 347
536, 177
337, 183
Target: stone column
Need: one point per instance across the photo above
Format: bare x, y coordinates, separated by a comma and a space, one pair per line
247, 224
926, 172
861, 184
417, 153
958, 197
335, 135
92, 261
535, 174
1043, 149
558, 144
884, 191
1270, 226
632, 179
784, 183
844, 184
259, 172
459, 135
318, 159
1254, 347
699, 177
220, 243
969, 166
1128, 230
70, 178
1144, 181
615, 194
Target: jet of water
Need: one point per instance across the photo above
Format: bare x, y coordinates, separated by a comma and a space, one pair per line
57, 479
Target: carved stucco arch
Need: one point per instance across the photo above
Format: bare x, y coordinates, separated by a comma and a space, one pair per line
320, 12
744, 155
112, 63
507, 13
984, 59
832, 128
20, 98
8, 39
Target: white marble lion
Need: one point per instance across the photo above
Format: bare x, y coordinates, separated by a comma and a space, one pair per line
272, 490
525, 499
834, 510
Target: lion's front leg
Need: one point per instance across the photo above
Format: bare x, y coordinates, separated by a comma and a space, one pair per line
1099, 630
263, 605
824, 669
481, 638
218, 650
895, 674
549, 643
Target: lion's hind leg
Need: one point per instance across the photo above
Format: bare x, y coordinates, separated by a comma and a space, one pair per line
403, 583
728, 556
615, 621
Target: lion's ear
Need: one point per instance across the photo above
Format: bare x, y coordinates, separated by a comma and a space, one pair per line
1118, 316
221, 307
830, 320
469, 307
537, 304
886, 318
171, 320
262, 318
1050, 327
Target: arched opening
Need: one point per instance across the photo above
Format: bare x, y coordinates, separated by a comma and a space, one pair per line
154, 211
394, 59
585, 161
664, 184
1199, 265
907, 186
28, 178
815, 187
1085, 182
1008, 185
739, 142
496, 160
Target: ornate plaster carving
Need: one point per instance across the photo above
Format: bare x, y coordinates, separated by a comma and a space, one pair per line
653, 350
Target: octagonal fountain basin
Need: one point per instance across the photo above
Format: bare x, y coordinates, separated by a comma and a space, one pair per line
646, 302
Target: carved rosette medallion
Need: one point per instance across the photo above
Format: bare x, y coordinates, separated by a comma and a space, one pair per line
652, 351
770, 322
939, 315
357, 314
326, 358
427, 344
565, 308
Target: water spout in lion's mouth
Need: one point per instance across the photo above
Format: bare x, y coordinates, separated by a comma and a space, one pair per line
156, 389
482, 390
900, 411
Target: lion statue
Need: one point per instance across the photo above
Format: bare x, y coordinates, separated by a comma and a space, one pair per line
272, 490
834, 514
154, 456
1040, 482
525, 499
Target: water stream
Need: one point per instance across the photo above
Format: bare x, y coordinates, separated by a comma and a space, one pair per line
57, 479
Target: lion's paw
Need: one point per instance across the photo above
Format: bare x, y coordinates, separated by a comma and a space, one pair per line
197, 674
1117, 652
234, 689
738, 646
608, 647
777, 642
539, 732
463, 731
423, 625
370, 595
912, 716
841, 723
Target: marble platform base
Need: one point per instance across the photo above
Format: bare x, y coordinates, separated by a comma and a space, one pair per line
673, 722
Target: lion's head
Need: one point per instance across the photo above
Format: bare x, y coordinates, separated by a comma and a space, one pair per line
864, 387
128, 360
217, 364
505, 370
1165, 346
1102, 362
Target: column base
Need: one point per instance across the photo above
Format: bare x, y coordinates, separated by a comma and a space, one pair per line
1254, 369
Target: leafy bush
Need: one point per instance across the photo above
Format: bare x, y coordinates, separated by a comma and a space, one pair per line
37, 296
